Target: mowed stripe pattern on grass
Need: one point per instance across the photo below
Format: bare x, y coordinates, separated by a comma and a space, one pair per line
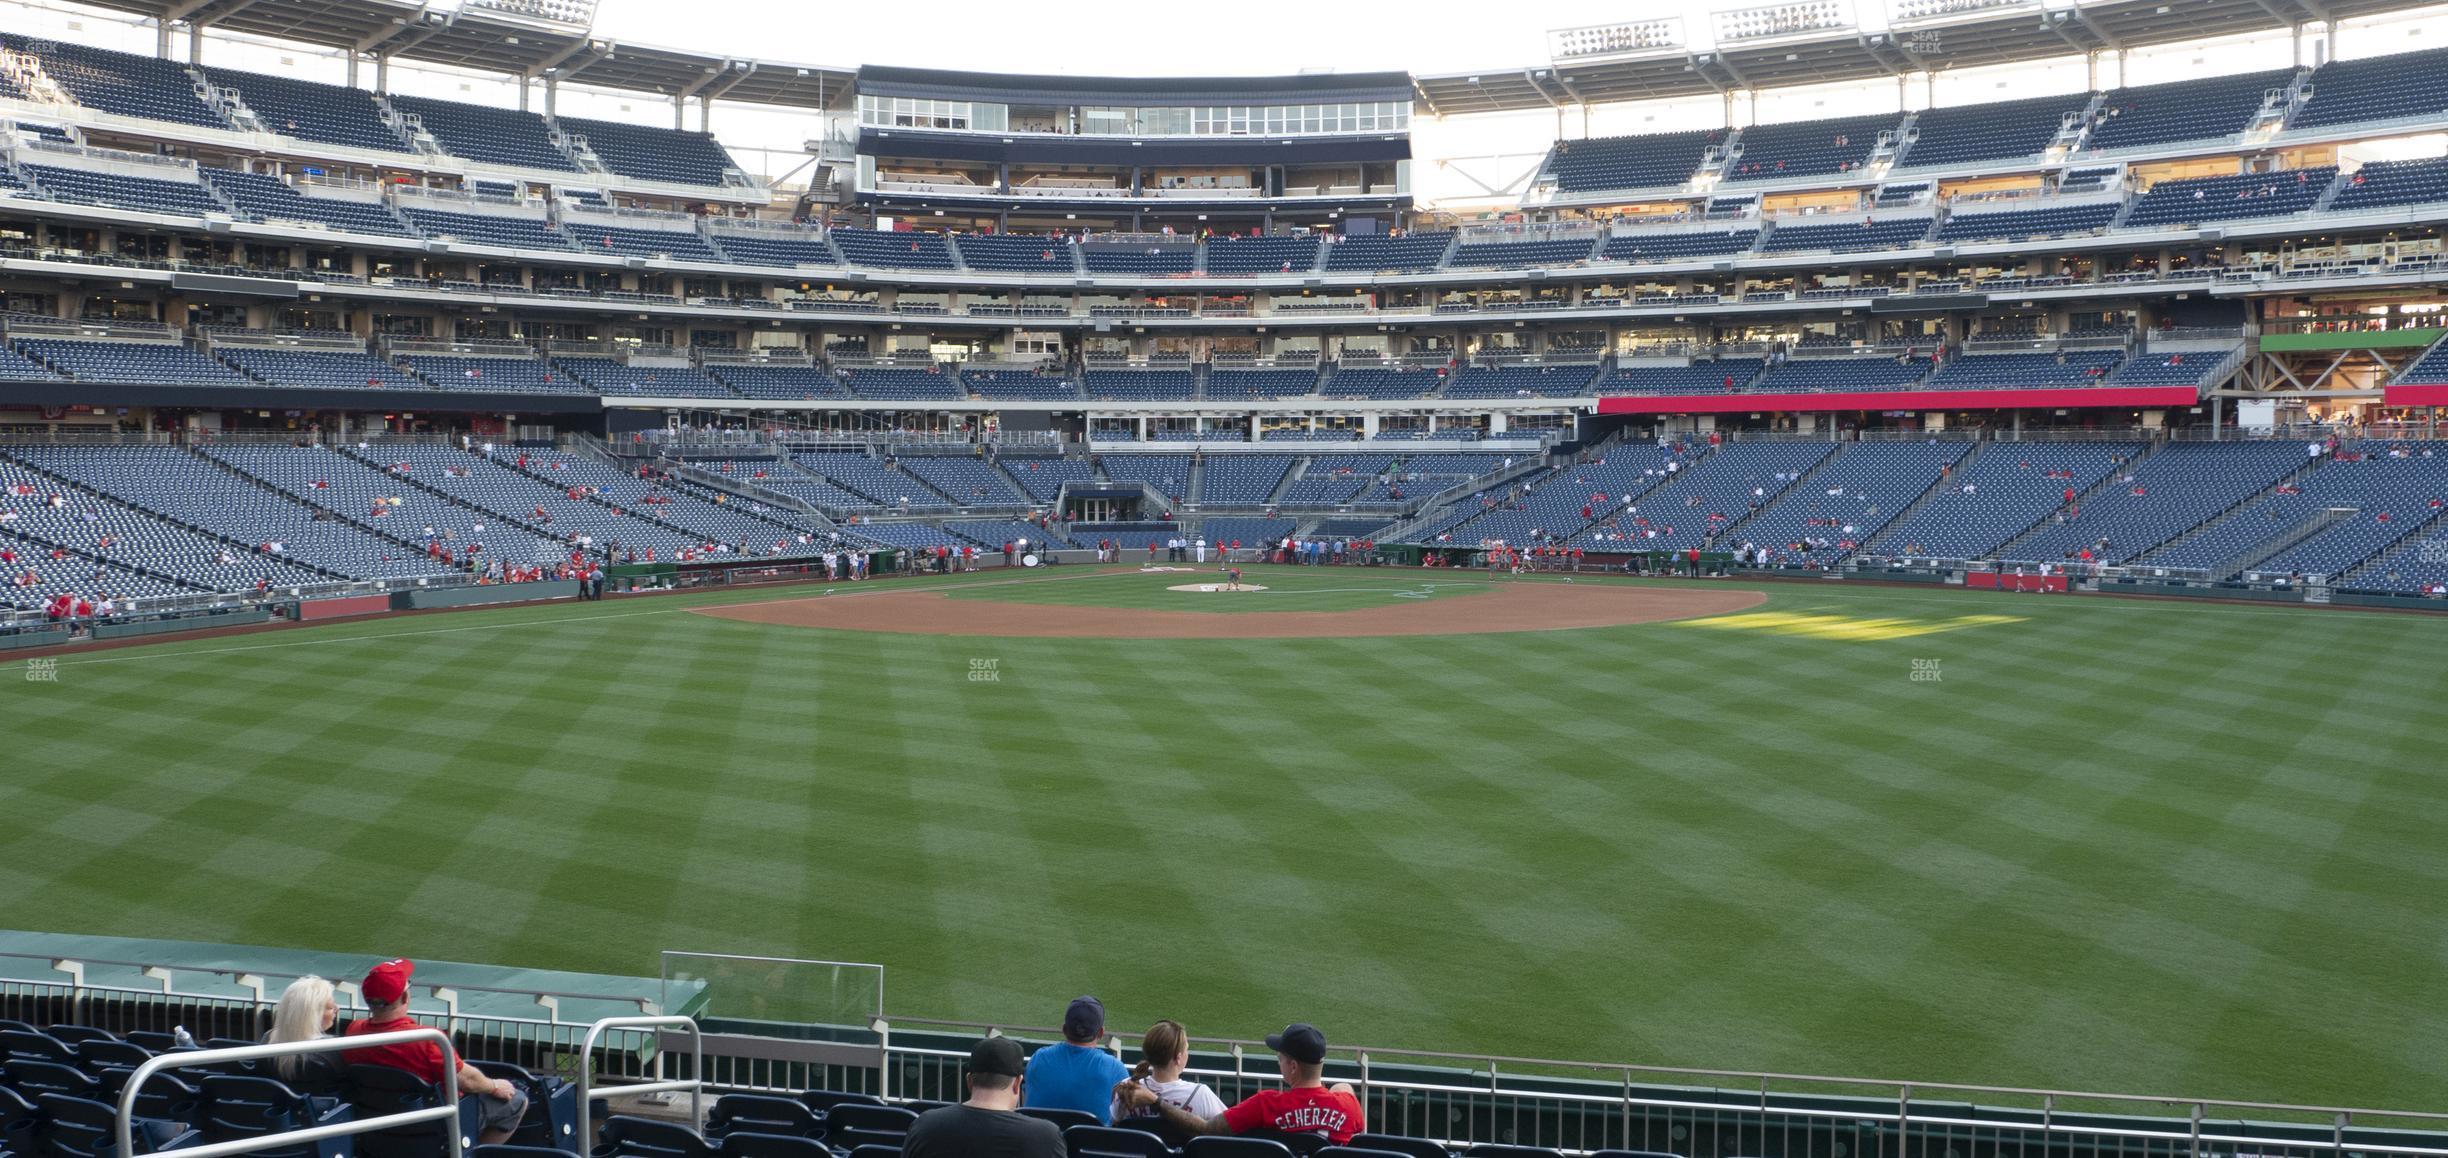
2113, 846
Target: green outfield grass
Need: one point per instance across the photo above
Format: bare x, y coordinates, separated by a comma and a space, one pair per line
1937, 835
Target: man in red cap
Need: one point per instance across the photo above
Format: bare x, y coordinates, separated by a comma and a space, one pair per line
386, 993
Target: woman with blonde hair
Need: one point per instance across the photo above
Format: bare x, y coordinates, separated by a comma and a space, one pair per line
306, 1012
1163, 1053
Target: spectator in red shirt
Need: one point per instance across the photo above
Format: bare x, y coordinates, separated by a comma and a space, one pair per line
386, 993
1305, 1107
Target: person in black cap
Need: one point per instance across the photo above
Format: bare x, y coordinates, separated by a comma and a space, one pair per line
1076, 1075
989, 1124
1304, 1107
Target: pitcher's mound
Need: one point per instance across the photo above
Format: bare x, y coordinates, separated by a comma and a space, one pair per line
1223, 588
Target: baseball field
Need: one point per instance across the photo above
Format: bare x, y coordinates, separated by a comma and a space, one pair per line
1928, 834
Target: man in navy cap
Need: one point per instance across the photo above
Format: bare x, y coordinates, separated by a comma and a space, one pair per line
1076, 1074
1306, 1106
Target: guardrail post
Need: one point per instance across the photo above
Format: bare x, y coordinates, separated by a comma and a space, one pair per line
694, 1084
884, 1062
1903, 1116
2195, 1140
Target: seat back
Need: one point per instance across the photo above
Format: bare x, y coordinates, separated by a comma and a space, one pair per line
750, 1144
551, 1120
110, 1054
1492, 1150
1413, 1147
73, 1034
378, 1090
1063, 1119
623, 1136
762, 1114
1357, 1152
852, 1124
1113, 1142
823, 1101
76, 1127
1219, 1146
35, 1078
248, 1107
31, 1045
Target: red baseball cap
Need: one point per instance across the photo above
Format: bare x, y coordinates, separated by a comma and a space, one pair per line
388, 982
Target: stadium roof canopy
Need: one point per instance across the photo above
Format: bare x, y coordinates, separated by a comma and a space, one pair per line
470, 36
1975, 34
1969, 33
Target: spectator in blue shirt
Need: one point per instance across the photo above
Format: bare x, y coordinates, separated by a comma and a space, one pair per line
1076, 1074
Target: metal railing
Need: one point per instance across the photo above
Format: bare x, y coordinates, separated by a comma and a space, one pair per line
446, 1090
657, 1083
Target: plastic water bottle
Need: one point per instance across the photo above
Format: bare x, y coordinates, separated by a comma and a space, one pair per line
185, 1039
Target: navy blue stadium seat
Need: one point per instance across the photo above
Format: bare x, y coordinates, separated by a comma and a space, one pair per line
650, 153
1678, 245
2185, 110
2022, 224
122, 83
253, 1107
1014, 253
1261, 255
2194, 200
1386, 253
1493, 1151
824, 1101
376, 1091
2005, 130
625, 1136
1399, 1144
1653, 160
1218, 1146
1062, 1118
35, 1078
268, 198
2380, 88
484, 133
2394, 183
312, 112
850, 1125
18, 1045
749, 1144
1808, 148
166, 194
551, 1120
1092, 1141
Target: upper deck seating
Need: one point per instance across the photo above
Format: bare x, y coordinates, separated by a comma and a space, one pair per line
652, 153
1652, 160
484, 133
2185, 110
2006, 130
332, 114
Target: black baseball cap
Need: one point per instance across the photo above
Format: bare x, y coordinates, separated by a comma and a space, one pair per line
997, 1055
1300, 1041
1085, 1020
